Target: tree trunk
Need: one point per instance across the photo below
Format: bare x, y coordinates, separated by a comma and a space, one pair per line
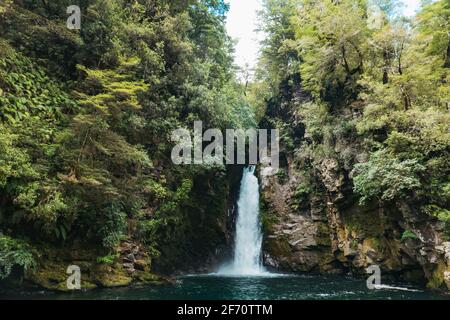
385, 76
387, 64
447, 58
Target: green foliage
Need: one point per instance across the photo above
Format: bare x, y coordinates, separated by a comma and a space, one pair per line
386, 178
279, 55
114, 227
32, 107
47, 40
108, 259
370, 89
99, 33
408, 234
332, 52
82, 111
300, 197
13, 253
433, 27
26, 90
442, 214
14, 162
281, 174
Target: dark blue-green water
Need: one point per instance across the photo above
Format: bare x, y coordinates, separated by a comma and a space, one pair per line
208, 287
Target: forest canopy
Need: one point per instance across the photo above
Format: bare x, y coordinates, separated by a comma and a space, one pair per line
86, 116
367, 87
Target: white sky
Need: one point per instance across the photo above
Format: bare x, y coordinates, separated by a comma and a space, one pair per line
242, 23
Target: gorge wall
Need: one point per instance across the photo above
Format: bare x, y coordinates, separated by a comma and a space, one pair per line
314, 221
362, 111
332, 233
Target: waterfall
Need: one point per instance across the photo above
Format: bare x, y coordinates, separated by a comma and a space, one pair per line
248, 236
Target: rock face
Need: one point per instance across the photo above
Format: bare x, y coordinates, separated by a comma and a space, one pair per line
130, 264
328, 231
205, 238
198, 249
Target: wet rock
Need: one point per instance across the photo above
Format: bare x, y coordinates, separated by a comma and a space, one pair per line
141, 265
333, 233
129, 257
128, 265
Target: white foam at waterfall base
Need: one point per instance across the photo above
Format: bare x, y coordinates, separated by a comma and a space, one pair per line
248, 236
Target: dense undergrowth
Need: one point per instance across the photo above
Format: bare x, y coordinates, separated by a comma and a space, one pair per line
367, 87
86, 119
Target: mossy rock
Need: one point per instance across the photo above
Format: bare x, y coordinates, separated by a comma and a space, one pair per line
437, 279
364, 220
110, 277
147, 278
50, 275
278, 248
50, 272
323, 235
329, 265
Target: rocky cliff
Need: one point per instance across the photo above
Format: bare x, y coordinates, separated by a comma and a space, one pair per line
326, 230
365, 165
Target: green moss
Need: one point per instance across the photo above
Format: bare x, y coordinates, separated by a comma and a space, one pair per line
436, 281
375, 243
323, 234
50, 275
109, 277
327, 264
50, 272
364, 219
354, 244
147, 278
268, 219
278, 248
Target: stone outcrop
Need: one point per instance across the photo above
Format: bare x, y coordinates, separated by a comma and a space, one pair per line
330, 232
202, 250
130, 264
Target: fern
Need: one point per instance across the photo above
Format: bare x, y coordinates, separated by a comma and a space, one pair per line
14, 253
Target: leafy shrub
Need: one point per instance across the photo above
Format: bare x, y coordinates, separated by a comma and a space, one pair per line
281, 174
14, 252
113, 230
300, 196
443, 215
384, 177
408, 234
27, 90
440, 213
108, 259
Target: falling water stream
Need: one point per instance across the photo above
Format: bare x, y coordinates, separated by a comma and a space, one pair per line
248, 236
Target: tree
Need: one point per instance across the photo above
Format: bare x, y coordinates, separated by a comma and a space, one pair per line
331, 39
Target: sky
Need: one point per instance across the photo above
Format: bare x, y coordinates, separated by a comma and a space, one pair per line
242, 23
